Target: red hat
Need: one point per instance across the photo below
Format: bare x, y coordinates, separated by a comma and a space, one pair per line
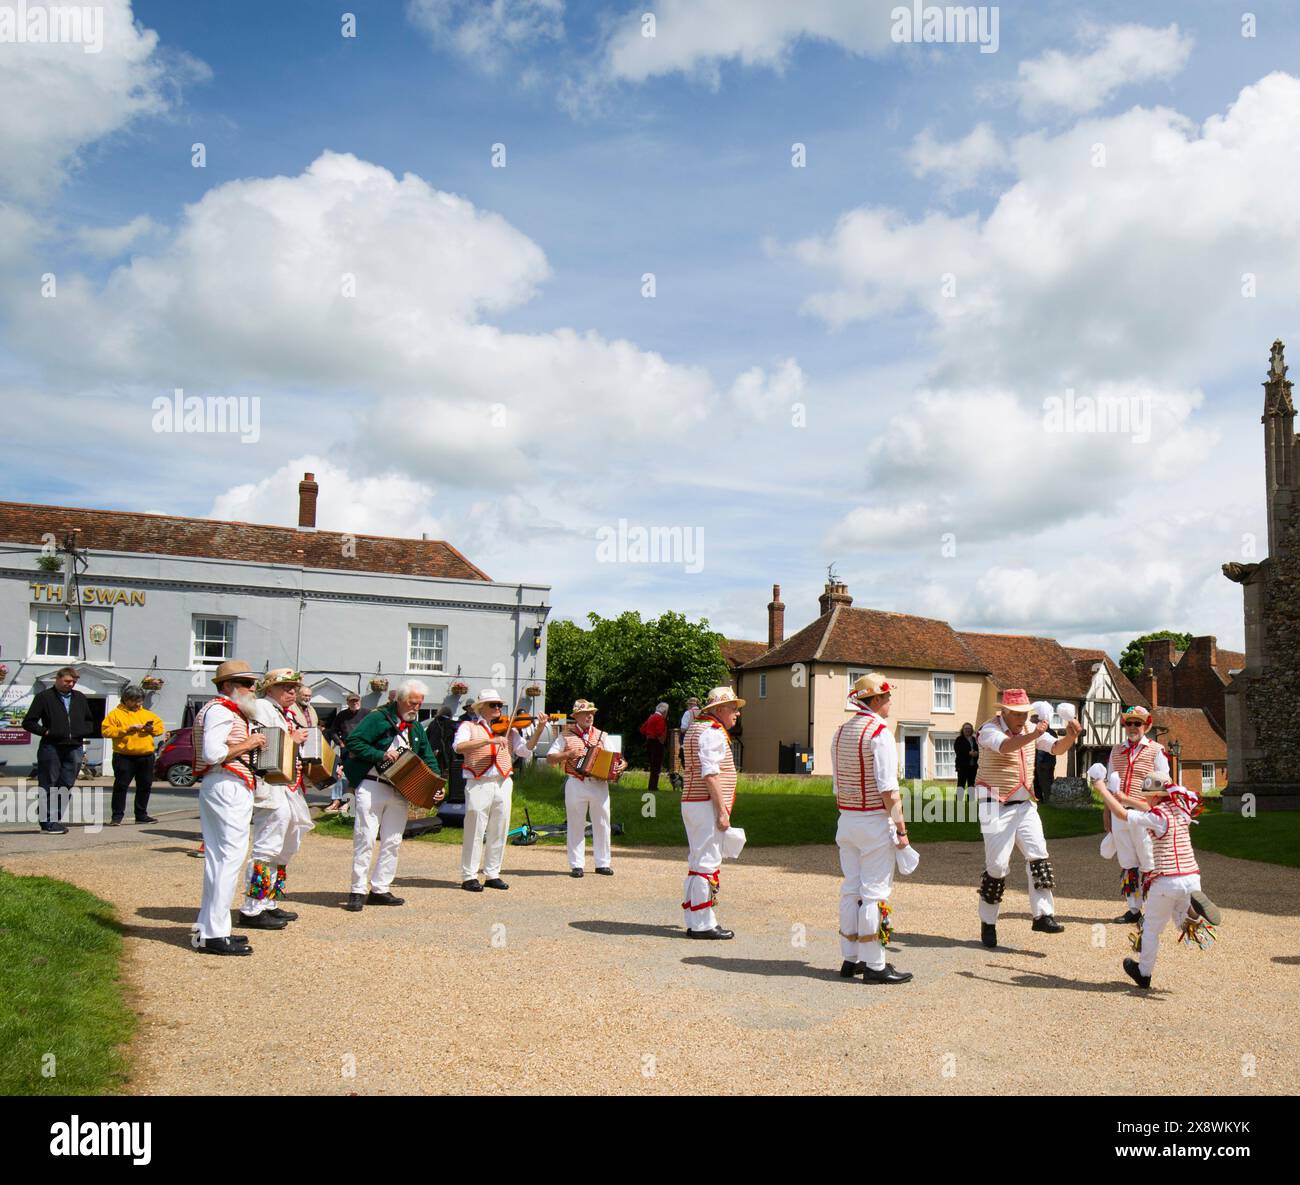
1015, 699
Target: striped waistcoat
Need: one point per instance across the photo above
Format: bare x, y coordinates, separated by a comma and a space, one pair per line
575, 748
1132, 767
1172, 852
238, 733
498, 756
694, 788
1005, 773
854, 764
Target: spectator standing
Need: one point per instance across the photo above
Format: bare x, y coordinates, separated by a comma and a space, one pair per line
343, 723
655, 731
1044, 764
60, 716
134, 731
688, 716
966, 749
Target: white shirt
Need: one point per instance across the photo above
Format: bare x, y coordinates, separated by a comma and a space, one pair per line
713, 745
1156, 824
217, 721
688, 718
995, 732
268, 713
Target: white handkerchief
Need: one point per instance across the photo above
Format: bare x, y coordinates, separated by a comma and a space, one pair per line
1097, 773
1107, 846
733, 842
907, 859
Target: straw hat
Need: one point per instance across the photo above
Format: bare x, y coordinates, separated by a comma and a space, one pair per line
237, 670
487, 696
865, 686
720, 697
1015, 699
1136, 712
582, 705
279, 677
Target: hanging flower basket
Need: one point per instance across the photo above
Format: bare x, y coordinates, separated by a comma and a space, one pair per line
152, 683
379, 683
533, 690
4, 671
50, 563
459, 687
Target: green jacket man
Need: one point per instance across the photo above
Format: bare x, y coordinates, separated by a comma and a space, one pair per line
368, 743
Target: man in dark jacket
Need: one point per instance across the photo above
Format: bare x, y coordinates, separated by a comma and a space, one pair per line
386, 733
340, 728
60, 716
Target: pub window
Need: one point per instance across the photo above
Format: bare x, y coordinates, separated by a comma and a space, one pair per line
212, 641
57, 636
425, 646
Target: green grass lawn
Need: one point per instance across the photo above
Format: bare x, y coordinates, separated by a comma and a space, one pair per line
62, 1009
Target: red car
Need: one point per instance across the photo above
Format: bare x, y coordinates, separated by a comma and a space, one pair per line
176, 758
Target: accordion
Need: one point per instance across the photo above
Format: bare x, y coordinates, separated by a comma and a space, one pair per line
412, 779
276, 763
318, 758
602, 764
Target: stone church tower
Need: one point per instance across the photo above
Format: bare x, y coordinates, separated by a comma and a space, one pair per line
1262, 704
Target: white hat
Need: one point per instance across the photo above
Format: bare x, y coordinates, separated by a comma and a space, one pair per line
487, 696
719, 697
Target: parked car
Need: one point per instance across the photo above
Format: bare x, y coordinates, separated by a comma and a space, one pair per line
176, 758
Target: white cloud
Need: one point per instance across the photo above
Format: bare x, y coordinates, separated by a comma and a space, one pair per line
108, 242
959, 164
760, 395
56, 98
488, 31
1125, 55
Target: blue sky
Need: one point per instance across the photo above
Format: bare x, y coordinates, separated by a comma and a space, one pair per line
923, 417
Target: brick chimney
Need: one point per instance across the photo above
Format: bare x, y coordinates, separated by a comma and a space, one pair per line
307, 491
1148, 685
775, 619
837, 593
1159, 654
1206, 648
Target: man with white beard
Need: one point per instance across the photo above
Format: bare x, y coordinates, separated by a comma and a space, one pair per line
385, 734
222, 743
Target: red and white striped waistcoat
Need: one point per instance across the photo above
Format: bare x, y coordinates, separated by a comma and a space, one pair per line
854, 765
575, 747
1133, 765
1006, 773
695, 789
497, 757
1172, 852
238, 733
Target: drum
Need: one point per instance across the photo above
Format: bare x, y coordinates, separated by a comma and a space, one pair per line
413, 780
275, 763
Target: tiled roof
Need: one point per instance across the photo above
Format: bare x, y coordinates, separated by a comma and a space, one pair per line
1230, 660
736, 652
871, 637
1085, 659
1192, 728
163, 534
1042, 666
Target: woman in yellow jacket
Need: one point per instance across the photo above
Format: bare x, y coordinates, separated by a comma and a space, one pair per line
134, 730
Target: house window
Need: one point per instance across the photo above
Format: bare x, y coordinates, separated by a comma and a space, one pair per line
762, 685
57, 637
943, 695
425, 647
945, 757
212, 641
1103, 712
1207, 773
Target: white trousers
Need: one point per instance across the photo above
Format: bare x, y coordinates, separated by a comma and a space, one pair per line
1132, 850
579, 796
487, 822
379, 812
866, 843
704, 842
277, 835
1169, 902
1007, 827
225, 812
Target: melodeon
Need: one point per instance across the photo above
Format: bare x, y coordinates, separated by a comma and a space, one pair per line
600, 764
275, 763
413, 780
318, 758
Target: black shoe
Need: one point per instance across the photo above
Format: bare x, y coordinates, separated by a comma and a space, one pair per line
495, 883
472, 885
886, 974
260, 921
384, 899
146, 819
1201, 903
716, 933
1131, 968
1047, 925
1132, 918
576, 873
604, 872
988, 934
284, 915
848, 969
54, 829
355, 903
115, 822
224, 946
240, 938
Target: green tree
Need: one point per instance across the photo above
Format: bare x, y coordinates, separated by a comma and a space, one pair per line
1131, 661
626, 666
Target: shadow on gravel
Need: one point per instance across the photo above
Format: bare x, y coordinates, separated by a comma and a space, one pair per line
903, 941
195, 835
165, 913
420, 882
1288, 960
1040, 979
787, 968
626, 929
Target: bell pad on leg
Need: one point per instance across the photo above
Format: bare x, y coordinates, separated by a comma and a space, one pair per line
992, 888
1041, 872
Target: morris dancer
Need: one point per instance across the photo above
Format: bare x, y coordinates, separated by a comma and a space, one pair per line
222, 743
280, 814
1008, 812
708, 795
379, 809
581, 791
871, 828
1175, 893
1130, 765
489, 783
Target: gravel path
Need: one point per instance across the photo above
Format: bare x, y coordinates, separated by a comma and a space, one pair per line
587, 986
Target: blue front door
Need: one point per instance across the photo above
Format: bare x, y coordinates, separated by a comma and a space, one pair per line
911, 757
